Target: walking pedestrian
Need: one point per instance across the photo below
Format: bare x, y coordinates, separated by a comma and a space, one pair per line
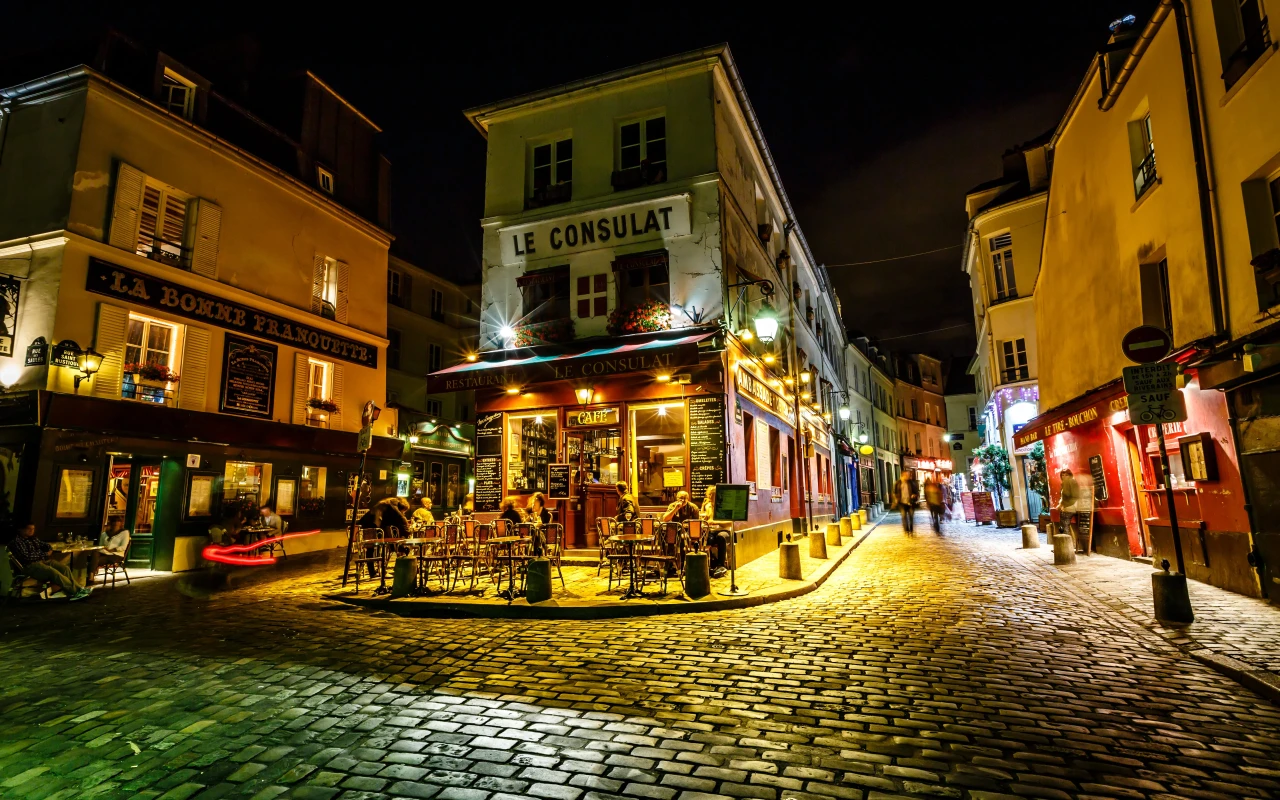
933, 498
905, 496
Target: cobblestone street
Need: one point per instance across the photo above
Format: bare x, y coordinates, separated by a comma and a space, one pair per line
926, 666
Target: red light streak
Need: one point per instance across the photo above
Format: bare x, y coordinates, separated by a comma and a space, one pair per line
230, 554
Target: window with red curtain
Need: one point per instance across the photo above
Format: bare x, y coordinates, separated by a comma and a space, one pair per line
749, 444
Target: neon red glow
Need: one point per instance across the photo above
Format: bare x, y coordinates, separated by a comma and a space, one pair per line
230, 554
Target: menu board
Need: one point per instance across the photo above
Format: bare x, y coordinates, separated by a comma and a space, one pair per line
558, 482
489, 435
248, 378
1084, 532
731, 502
200, 496
983, 509
706, 444
488, 493
966, 502
74, 491
1099, 478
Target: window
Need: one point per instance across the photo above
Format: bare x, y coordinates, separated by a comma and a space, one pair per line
325, 178
1143, 147
641, 142
177, 94
917, 444
1014, 355
395, 287
973, 418
658, 441
749, 444
545, 295
435, 357
311, 488
464, 412
434, 407
148, 343
764, 455
593, 295
552, 172
393, 348
327, 287
915, 409
318, 382
1157, 310
242, 482
648, 281
1243, 36
437, 305
775, 452
1002, 266
162, 224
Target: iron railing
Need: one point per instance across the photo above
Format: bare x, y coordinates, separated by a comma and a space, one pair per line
1144, 177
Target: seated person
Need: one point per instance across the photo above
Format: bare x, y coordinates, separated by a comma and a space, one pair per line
511, 513
468, 505
681, 510
33, 554
272, 522
717, 542
113, 551
423, 512
627, 508
537, 509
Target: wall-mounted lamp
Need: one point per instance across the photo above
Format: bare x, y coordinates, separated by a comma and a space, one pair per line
413, 438
805, 375
584, 394
766, 323
10, 374
513, 390
663, 378
89, 361
844, 413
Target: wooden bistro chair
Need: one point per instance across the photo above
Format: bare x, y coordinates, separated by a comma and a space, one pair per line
604, 533
693, 537
112, 569
619, 554
472, 550
22, 581
652, 554
361, 552
438, 557
555, 548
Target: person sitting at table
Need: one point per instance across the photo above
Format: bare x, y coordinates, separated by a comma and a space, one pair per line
272, 522
423, 512
113, 552
681, 510
717, 543
537, 511
627, 508
468, 505
510, 509
33, 554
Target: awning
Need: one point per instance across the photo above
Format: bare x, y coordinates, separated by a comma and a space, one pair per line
1097, 405
650, 355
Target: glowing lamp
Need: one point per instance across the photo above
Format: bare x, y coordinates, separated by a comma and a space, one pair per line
805, 375
845, 413
513, 390
472, 357
508, 335
766, 323
827, 416
746, 335
584, 395
89, 361
862, 438
769, 358
663, 378
413, 438
9, 375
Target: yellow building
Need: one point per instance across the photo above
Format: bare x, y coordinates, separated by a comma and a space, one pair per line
921, 417
194, 312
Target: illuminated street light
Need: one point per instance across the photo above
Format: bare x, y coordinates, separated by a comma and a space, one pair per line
766, 323
844, 413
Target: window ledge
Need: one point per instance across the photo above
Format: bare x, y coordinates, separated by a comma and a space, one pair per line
1249, 73
1154, 188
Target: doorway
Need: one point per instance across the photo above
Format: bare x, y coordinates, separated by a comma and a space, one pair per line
132, 492
594, 457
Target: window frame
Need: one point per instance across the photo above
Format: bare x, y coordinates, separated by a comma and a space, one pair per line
1013, 357
435, 408
164, 194
435, 357
136, 392
324, 179
326, 379
394, 341
437, 304
642, 147
171, 79
395, 287
596, 298
1004, 276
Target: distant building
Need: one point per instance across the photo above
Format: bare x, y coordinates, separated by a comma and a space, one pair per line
859, 428
963, 437
884, 424
921, 416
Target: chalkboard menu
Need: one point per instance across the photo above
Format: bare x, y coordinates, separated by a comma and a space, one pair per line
983, 509
489, 434
1099, 478
706, 444
1084, 532
488, 494
248, 378
558, 482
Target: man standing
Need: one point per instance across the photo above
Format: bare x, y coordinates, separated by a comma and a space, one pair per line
933, 498
33, 555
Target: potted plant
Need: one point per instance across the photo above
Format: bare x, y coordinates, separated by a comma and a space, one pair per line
994, 476
550, 332
147, 374
649, 316
323, 404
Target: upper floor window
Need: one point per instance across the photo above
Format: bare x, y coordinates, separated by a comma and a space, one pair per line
1002, 266
318, 382
435, 357
642, 153
593, 295
150, 359
434, 407
1143, 150
1014, 355
973, 418
915, 409
393, 348
551, 176
325, 290
325, 178
396, 288
1243, 36
162, 224
642, 278
544, 295
437, 304
177, 94
1157, 308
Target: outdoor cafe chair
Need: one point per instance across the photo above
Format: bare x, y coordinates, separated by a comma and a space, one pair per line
555, 548
110, 569
369, 554
651, 554
438, 557
471, 550
618, 553
694, 539
22, 581
604, 533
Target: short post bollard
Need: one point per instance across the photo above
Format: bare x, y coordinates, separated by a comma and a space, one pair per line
405, 577
697, 574
1030, 537
538, 584
817, 546
862, 516
1172, 601
833, 535
789, 561
854, 521
1064, 549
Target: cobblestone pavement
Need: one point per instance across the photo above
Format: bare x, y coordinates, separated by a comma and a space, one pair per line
927, 666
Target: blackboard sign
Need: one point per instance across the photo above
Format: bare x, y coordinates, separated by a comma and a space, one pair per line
983, 509
1099, 478
489, 434
706, 444
558, 482
248, 378
1084, 531
38, 353
488, 483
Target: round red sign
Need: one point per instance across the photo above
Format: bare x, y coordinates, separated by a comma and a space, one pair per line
1146, 344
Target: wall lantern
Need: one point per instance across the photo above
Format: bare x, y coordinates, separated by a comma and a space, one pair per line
413, 438
844, 413
805, 375
766, 323
89, 361
584, 394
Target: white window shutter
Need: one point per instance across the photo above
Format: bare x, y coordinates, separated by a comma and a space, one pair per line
193, 383
109, 341
339, 385
206, 227
124, 212
301, 387
317, 284
343, 278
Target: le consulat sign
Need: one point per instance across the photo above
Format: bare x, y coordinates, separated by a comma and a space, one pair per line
569, 368
647, 221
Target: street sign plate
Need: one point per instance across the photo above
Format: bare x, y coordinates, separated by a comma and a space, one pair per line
1156, 408
366, 438
1146, 344
1146, 378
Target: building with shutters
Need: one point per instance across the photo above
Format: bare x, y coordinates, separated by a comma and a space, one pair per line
922, 416
860, 462
884, 425
226, 268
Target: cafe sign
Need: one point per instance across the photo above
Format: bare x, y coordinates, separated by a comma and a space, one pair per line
145, 290
591, 416
646, 221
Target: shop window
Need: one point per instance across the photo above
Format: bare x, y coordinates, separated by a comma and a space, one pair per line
162, 225
242, 486
531, 446
75, 488
749, 444
150, 360
593, 295
659, 452
311, 488
1157, 310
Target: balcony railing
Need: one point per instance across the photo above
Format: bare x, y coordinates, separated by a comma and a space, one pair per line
144, 393
1257, 40
1015, 374
165, 251
551, 195
1144, 177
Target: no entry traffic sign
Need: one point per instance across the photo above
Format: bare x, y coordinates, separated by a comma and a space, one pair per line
1146, 344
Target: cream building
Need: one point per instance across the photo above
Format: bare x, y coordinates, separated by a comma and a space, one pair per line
884, 425
194, 304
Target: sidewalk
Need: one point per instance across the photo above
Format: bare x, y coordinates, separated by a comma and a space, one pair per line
1236, 635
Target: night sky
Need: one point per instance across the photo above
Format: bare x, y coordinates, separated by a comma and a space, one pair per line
879, 121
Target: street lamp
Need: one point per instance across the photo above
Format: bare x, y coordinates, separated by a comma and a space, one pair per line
766, 323
844, 413
89, 361
805, 375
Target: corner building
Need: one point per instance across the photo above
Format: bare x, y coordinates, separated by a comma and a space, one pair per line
631, 220
228, 270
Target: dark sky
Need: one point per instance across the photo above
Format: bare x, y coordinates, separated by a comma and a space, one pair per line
879, 120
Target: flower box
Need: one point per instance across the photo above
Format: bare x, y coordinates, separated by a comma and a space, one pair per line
648, 317
150, 374
550, 332
323, 404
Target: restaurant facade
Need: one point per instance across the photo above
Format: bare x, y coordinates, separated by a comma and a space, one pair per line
635, 232
193, 326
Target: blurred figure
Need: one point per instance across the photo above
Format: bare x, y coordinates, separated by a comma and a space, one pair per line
112, 552
423, 512
933, 498
717, 542
627, 508
1067, 501
906, 493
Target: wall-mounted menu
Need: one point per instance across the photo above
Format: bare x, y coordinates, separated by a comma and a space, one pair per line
1099, 475
489, 434
488, 494
706, 444
558, 482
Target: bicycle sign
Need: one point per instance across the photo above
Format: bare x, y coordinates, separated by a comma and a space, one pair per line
1154, 408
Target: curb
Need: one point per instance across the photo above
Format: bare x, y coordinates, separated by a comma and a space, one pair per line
617, 610
1260, 681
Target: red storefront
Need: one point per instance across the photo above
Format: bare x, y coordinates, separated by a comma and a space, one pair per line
1092, 437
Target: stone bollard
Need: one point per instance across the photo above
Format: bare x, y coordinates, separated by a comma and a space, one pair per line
1173, 603
846, 525
405, 577
833, 533
697, 575
862, 516
537, 585
1030, 537
789, 561
817, 547
1064, 549
855, 524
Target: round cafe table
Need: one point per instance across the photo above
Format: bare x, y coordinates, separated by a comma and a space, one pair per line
630, 540
507, 542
